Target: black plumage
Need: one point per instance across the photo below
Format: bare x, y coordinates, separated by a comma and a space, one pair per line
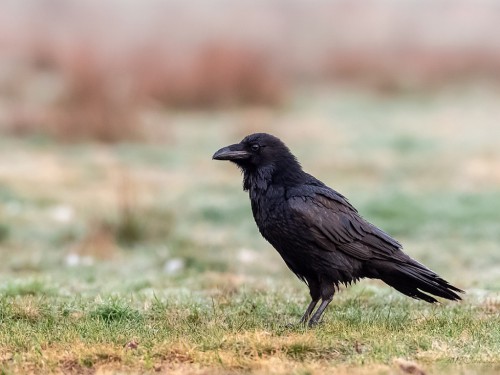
318, 233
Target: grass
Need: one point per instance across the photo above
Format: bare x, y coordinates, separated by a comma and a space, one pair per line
239, 331
143, 257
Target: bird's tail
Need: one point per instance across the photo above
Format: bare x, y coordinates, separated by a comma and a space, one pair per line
415, 280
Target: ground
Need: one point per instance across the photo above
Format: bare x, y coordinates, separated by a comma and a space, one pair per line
144, 257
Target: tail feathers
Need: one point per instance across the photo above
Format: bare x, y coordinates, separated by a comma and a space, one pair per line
415, 280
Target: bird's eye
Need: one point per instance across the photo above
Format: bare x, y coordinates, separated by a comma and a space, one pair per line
255, 147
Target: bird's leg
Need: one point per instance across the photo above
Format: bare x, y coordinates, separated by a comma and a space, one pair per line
315, 292
317, 315
309, 311
327, 292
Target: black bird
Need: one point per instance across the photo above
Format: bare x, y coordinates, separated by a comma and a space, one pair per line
321, 237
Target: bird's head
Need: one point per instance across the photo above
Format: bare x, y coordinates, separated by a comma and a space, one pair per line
256, 151
262, 155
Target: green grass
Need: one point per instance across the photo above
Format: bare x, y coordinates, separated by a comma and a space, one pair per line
145, 257
230, 329
234, 330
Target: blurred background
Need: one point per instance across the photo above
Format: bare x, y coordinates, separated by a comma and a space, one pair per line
111, 110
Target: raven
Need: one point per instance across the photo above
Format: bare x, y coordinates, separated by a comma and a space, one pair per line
321, 237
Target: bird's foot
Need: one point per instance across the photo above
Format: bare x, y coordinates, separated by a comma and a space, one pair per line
303, 323
313, 323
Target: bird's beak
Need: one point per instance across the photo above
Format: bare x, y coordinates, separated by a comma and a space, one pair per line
233, 152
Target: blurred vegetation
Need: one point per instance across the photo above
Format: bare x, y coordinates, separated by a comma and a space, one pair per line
65, 73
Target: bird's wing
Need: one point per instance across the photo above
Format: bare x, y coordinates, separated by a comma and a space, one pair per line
336, 225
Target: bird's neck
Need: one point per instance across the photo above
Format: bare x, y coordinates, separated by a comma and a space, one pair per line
259, 179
